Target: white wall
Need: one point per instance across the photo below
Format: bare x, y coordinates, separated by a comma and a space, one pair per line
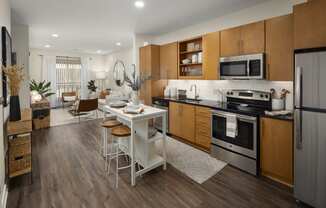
20, 43
35, 61
125, 55
5, 20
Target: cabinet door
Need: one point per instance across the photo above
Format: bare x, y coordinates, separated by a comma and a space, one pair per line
144, 67
211, 55
276, 150
310, 24
253, 38
174, 119
230, 42
187, 122
169, 61
279, 48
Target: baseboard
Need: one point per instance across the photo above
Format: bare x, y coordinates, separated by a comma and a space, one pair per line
4, 196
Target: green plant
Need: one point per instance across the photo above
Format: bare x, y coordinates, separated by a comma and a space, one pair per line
43, 88
91, 86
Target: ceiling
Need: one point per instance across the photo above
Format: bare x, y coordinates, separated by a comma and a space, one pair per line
92, 25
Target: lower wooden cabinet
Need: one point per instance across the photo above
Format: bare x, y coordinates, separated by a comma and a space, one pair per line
276, 150
203, 127
191, 123
182, 121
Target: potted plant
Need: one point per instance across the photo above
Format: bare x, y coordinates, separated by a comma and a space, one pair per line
135, 83
40, 90
15, 77
91, 87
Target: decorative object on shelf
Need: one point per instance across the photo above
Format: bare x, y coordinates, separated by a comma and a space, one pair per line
186, 61
135, 83
278, 99
190, 46
15, 76
40, 90
194, 59
119, 71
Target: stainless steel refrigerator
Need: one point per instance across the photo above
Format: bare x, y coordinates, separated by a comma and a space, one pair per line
310, 127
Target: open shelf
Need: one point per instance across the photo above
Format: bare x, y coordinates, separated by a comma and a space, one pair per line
192, 50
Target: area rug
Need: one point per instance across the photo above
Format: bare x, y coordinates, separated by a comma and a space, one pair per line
194, 163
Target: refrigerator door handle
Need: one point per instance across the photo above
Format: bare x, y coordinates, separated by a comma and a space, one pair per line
298, 128
298, 87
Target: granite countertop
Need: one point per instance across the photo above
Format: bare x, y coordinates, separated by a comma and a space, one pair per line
223, 106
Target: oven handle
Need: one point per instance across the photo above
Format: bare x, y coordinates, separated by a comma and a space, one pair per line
240, 117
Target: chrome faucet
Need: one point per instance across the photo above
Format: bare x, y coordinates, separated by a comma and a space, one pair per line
196, 95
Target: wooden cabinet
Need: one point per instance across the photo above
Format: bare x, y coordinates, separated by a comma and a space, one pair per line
279, 48
182, 121
203, 127
149, 65
310, 24
276, 150
246, 39
230, 42
169, 61
211, 55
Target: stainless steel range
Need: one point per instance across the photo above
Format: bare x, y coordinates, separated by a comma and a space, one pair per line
235, 129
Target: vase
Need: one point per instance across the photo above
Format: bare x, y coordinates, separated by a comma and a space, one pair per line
14, 111
135, 98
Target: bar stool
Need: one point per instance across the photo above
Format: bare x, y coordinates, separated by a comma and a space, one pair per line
119, 132
108, 125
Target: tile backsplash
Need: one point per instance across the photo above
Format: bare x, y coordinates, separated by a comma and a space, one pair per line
208, 89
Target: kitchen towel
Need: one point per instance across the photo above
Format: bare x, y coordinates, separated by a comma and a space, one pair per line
231, 125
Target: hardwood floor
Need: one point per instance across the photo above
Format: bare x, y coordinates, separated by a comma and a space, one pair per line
69, 172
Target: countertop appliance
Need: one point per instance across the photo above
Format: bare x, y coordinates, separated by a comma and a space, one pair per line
240, 151
161, 104
310, 127
243, 67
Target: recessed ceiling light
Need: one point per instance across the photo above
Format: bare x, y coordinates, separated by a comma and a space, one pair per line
139, 4
47, 46
55, 35
118, 44
98, 51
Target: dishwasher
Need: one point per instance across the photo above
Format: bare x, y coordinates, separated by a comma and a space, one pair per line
161, 104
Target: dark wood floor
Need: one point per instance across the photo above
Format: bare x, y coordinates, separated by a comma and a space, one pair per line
69, 172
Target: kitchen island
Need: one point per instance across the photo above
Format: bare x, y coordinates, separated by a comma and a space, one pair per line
141, 147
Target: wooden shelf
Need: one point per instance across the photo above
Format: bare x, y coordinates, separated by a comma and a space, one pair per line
188, 52
191, 64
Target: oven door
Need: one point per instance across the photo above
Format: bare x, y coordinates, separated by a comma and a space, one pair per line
233, 69
244, 143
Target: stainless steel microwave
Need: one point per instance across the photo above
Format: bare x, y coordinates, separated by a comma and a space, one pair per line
243, 67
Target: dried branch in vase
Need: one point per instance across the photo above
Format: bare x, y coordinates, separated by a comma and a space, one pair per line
15, 77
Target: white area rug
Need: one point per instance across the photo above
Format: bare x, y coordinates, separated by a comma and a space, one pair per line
61, 116
196, 164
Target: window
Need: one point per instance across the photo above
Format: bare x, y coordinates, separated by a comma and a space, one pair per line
68, 74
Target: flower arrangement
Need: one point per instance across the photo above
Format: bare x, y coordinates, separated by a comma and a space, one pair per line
15, 77
135, 81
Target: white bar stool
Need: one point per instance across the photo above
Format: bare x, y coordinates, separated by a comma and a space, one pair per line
107, 126
119, 132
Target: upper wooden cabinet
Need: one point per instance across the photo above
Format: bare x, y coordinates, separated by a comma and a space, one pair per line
246, 39
279, 48
211, 55
276, 150
169, 61
149, 65
310, 24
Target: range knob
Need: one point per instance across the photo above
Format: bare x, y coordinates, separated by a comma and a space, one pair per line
266, 96
228, 93
261, 95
